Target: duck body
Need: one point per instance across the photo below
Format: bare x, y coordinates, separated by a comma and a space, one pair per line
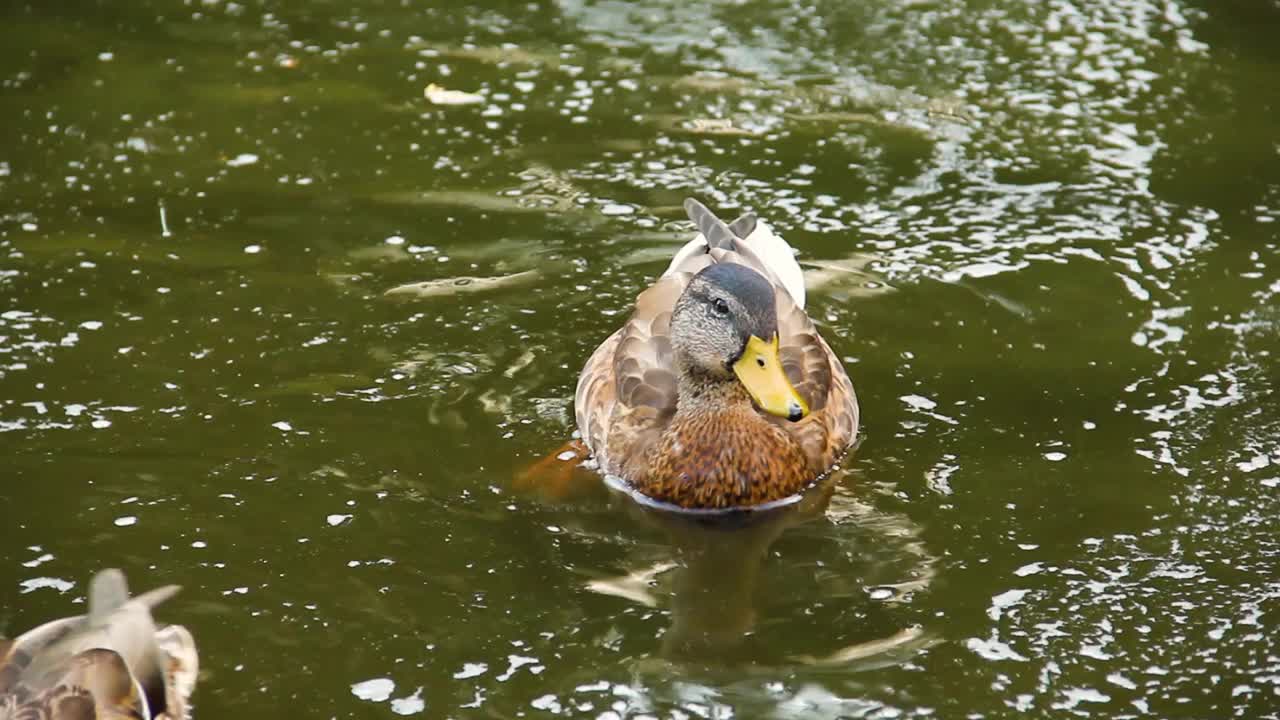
110, 664
718, 392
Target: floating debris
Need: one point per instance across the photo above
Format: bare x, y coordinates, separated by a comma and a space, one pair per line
890, 649
242, 159
382, 252
703, 126
320, 384
848, 276
466, 199
442, 96
491, 55
711, 83
456, 285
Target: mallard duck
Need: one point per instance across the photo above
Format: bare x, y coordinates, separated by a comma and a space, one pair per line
112, 663
718, 392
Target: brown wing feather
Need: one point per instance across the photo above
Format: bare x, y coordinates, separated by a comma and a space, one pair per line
597, 395
820, 378
805, 357
104, 674
11, 665
182, 666
59, 703
73, 704
627, 391
92, 685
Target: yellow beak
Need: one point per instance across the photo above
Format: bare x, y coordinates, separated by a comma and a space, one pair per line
760, 372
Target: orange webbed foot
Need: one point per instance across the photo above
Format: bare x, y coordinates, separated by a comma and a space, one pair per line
559, 474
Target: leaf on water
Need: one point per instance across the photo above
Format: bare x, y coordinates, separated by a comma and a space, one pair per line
442, 96
461, 284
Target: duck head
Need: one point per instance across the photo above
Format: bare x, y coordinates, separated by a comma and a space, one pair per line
724, 328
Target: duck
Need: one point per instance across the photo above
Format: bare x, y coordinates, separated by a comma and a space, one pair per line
718, 392
113, 663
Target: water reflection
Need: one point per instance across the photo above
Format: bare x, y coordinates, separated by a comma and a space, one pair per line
723, 572
1069, 361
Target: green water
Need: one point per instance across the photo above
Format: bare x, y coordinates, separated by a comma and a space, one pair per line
1051, 237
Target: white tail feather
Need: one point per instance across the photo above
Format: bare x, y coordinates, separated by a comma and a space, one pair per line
772, 250
780, 258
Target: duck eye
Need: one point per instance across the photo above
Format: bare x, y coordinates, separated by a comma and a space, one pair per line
720, 306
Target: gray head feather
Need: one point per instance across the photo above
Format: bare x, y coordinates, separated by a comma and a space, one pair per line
718, 312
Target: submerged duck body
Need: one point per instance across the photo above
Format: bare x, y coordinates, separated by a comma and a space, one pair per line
719, 392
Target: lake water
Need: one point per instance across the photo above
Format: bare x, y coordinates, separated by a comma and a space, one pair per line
1044, 238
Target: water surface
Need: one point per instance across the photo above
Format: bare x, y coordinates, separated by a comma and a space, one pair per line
1043, 238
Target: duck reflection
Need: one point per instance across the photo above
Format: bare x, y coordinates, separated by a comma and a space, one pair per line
716, 584
717, 576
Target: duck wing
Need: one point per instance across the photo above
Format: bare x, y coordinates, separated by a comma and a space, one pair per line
820, 378
627, 391
94, 684
61, 703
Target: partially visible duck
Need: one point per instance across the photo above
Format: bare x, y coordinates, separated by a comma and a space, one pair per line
111, 664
